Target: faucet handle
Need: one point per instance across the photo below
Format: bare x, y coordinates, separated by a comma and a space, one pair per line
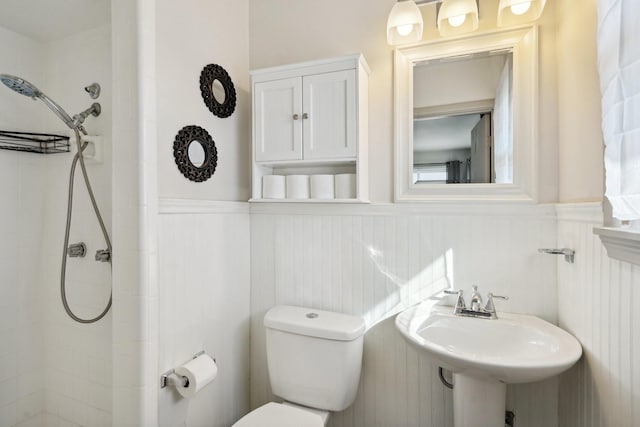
460, 304
490, 307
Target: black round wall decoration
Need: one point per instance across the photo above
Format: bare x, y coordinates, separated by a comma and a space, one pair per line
206, 153
209, 75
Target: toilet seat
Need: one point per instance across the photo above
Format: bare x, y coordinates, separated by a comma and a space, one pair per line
278, 415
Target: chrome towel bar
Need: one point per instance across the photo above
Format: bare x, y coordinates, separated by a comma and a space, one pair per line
569, 254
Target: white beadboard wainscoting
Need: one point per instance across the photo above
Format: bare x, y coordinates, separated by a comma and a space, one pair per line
598, 301
203, 261
375, 260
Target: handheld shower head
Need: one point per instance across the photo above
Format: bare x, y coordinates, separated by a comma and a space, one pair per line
19, 85
23, 87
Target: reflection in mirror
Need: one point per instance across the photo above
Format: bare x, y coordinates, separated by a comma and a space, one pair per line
196, 153
451, 86
218, 91
462, 119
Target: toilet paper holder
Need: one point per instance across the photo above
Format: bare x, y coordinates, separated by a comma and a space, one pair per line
171, 378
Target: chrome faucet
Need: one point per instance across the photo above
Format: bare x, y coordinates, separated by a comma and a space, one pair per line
476, 299
475, 308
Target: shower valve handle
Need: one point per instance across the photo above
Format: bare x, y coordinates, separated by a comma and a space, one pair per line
77, 250
103, 255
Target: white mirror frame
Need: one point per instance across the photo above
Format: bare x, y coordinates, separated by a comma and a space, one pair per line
523, 42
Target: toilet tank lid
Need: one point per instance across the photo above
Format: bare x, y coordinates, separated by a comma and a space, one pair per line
315, 323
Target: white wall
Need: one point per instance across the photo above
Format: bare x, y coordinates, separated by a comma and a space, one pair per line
374, 261
60, 371
78, 357
597, 296
204, 305
21, 221
134, 198
203, 243
598, 299
284, 32
192, 34
469, 80
22, 57
366, 260
580, 155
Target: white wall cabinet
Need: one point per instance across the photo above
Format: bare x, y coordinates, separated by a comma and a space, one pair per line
311, 118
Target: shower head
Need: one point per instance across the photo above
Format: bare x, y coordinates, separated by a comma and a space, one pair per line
23, 87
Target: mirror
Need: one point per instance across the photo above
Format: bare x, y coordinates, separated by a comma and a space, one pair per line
217, 90
465, 114
195, 153
462, 119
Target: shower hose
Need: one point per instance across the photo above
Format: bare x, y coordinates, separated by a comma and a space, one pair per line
79, 157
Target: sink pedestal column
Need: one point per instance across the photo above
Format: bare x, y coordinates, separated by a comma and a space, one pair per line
478, 402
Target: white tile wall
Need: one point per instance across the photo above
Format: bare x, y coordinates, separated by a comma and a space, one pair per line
204, 305
135, 296
21, 385
374, 261
21, 223
77, 366
598, 299
51, 364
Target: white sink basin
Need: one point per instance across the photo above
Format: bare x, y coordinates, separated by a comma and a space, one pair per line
514, 348
485, 354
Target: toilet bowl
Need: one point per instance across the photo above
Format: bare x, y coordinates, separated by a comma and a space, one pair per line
284, 414
314, 360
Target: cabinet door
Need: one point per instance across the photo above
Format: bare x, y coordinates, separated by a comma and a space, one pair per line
278, 121
329, 112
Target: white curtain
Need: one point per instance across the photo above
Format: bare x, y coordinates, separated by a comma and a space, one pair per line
619, 68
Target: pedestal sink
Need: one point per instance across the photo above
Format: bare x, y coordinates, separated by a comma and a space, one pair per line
485, 355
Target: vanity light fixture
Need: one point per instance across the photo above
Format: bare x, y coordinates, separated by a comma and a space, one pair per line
457, 17
404, 24
514, 12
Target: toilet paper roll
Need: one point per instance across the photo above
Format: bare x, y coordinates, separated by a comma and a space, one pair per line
273, 187
199, 372
297, 186
345, 186
322, 186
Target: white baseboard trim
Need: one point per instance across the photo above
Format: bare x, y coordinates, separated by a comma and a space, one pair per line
444, 208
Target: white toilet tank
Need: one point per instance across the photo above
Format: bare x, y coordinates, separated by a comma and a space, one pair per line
314, 356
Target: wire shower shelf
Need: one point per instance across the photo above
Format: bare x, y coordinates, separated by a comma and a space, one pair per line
30, 142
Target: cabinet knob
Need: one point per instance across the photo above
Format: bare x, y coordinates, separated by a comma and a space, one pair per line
305, 116
296, 117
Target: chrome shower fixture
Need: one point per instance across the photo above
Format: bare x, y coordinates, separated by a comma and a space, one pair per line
74, 250
93, 90
25, 88
78, 119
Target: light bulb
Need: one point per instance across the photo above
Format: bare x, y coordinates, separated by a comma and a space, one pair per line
520, 8
456, 21
404, 30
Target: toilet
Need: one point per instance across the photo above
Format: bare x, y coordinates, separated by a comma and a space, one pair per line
314, 359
